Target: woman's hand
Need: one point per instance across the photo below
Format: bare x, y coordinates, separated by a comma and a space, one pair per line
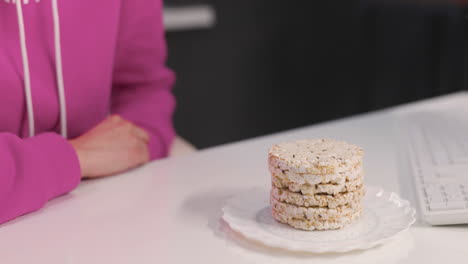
113, 146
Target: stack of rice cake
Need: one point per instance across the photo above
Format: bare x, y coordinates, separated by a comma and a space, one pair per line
317, 184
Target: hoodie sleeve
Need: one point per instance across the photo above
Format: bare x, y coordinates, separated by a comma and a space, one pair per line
142, 84
33, 171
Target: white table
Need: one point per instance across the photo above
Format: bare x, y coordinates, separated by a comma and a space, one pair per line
169, 210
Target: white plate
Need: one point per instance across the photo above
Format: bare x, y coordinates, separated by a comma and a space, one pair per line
385, 215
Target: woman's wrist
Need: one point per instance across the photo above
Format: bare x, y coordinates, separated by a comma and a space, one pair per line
74, 144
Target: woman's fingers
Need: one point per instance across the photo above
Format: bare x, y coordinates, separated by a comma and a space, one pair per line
141, 133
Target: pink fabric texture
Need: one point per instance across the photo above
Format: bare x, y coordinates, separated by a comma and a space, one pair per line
113, 63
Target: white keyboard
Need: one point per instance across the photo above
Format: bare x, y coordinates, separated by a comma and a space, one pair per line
437, 143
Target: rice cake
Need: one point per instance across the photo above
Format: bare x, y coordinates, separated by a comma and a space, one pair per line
313, 213
302, 178
310, 225
315, 156
347, 186
314, 200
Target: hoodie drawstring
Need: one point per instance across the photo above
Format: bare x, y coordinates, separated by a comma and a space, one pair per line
24, 56
58, 67
59, 70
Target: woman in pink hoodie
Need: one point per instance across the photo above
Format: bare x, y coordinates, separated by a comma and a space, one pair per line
83, 93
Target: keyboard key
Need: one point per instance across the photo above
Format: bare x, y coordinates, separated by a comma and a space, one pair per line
452, 188
437, 206
440, 157
456, 197
437, 197
455, 205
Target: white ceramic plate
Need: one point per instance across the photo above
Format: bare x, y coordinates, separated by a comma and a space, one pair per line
385, 215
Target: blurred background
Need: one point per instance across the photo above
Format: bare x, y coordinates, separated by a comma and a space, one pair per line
252, 67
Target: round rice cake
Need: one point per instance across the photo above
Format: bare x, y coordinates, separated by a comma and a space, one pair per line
348, 186
302, 178
315, 156
310, 225
313, 213
321, 200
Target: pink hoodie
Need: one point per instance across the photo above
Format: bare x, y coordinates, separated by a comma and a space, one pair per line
111, 55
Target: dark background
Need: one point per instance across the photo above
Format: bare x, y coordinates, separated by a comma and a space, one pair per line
273, 65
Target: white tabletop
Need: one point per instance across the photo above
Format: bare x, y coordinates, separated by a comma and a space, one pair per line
169, 211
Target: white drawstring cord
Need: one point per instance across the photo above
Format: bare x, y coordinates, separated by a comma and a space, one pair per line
59, 70
58, 67
27, 77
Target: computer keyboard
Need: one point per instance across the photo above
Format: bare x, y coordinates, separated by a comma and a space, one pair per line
437, 143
